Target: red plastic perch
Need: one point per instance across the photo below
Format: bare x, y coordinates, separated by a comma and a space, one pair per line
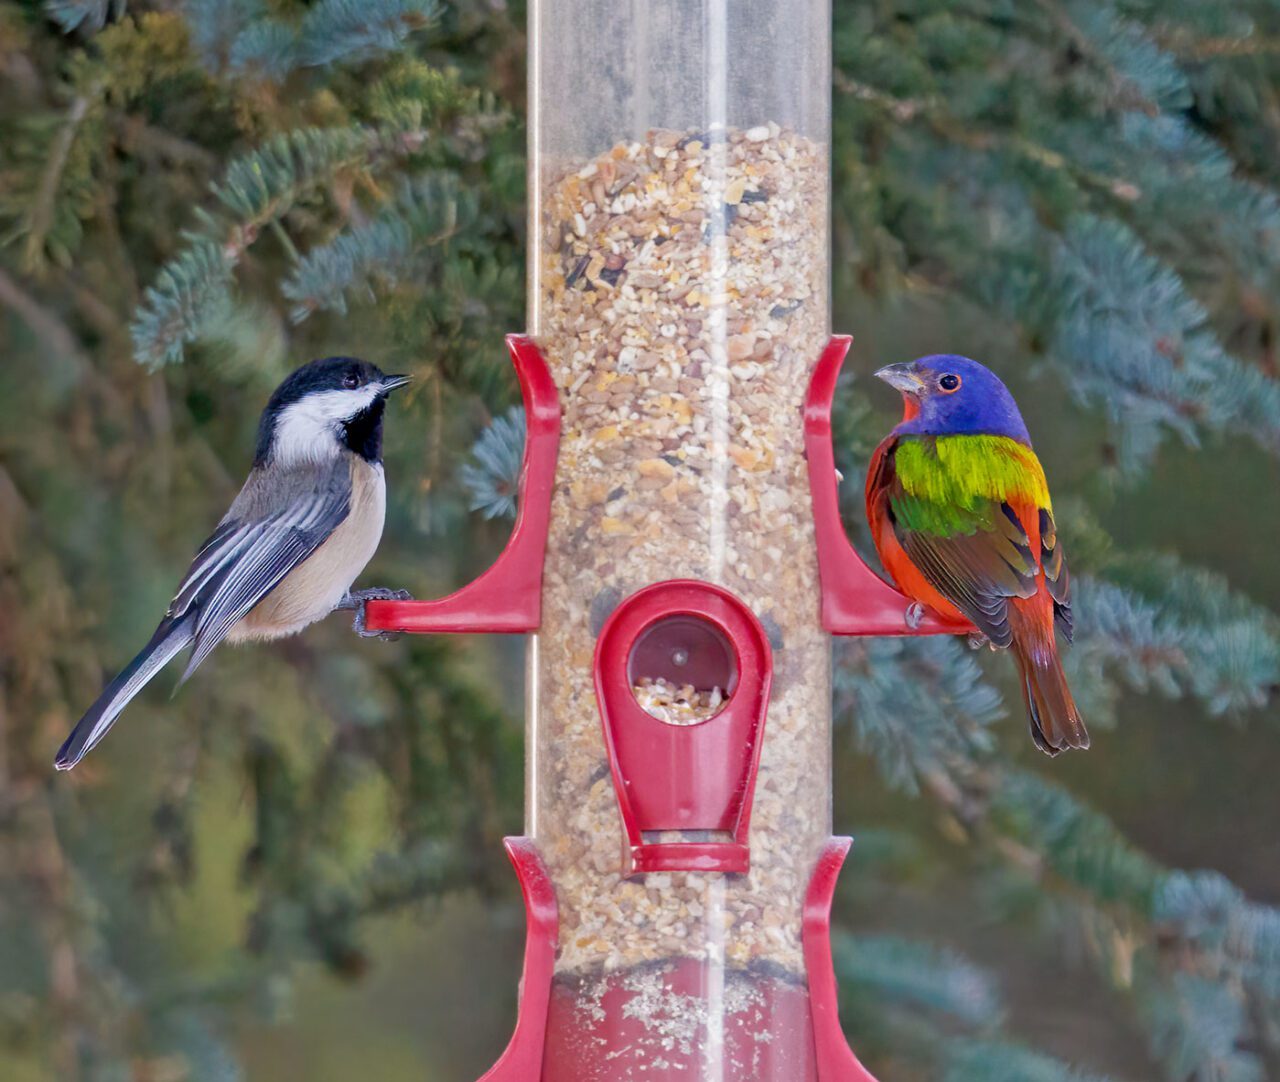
855, 600
508, 596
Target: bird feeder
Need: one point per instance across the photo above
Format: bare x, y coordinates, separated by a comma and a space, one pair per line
679, 559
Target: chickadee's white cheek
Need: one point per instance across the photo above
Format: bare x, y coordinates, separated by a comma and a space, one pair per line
308, 430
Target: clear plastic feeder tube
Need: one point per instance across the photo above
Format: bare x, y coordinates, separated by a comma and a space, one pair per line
678, 276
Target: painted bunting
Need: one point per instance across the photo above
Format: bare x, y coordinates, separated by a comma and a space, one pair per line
961, 517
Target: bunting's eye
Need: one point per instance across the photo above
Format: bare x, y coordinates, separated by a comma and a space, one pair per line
949, 383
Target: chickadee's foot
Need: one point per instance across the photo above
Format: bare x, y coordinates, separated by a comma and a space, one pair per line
358, 599
914, 616
977, 640
357, 625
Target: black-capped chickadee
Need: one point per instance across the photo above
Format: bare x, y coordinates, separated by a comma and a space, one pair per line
303, 527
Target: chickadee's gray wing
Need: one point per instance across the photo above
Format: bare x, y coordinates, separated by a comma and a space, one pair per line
275, 524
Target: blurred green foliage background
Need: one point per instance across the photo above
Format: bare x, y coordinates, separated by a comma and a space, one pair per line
293, 869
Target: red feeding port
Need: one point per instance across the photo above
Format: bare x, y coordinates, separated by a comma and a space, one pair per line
508, 596
684, 650
696, 779
855, 600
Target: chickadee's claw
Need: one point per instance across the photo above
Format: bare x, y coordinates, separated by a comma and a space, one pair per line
357, 625
914, 616
358, 599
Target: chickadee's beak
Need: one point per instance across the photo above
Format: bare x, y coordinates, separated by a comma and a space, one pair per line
904, 377
390, 383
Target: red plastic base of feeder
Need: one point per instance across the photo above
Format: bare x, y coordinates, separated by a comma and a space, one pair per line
855, 600
687, 1021
508, 596
663, 1023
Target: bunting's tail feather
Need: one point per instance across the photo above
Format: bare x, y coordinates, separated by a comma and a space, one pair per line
1056, 724
170, 638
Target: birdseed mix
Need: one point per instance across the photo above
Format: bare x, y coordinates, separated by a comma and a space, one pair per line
681, 302
683, 705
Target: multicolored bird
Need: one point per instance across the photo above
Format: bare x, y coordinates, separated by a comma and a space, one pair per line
961, 517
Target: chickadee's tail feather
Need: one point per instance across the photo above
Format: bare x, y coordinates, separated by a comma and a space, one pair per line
170, 638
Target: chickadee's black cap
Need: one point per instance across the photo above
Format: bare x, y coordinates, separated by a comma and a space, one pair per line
318, 377
327, 374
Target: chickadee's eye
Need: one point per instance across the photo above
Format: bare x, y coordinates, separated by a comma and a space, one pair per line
949, 383
351, 381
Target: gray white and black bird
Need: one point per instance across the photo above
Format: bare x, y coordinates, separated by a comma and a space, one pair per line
304, 525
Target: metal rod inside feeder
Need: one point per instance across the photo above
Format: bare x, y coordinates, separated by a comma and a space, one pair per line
678, 277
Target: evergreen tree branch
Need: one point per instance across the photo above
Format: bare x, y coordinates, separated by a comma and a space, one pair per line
1176, 923
995, 1061
1182, 631
192, 293
84, 15
39, 219
193, 290
1188, 46
914, 976
933, 681
492, 476
331, 32
57, 337
425, 213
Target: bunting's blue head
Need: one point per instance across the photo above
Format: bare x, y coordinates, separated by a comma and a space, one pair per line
947, 395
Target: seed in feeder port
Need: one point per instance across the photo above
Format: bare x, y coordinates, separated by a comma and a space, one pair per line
756, 135
683, 705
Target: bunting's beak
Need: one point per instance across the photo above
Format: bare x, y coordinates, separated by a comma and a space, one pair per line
902, 376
